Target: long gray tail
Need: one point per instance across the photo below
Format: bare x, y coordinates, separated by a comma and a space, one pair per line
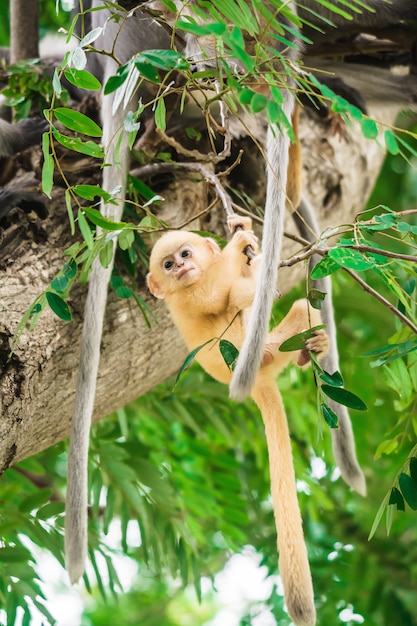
114, 177
343, 442
250, 356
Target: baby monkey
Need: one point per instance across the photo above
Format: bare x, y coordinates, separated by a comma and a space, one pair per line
209, 293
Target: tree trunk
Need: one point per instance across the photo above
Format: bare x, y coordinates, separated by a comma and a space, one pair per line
24, 29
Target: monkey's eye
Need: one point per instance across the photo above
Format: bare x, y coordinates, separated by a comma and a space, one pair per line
168, 265
185, 253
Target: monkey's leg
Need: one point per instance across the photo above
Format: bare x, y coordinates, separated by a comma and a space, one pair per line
299, 318
343, 442
293, 559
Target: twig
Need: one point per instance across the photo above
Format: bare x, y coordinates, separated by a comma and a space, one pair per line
192, 154
393, 255
381, 299
148, 170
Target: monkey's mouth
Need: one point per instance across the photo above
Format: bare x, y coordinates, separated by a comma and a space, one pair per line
184, 272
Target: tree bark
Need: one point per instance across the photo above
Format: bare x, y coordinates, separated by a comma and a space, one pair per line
24, 29
37, 380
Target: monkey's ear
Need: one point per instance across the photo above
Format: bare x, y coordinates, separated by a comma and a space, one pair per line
212, 245
154, 288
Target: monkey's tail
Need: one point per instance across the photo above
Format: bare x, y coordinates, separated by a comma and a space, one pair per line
77, 485
293, 560
343, 441
250, 356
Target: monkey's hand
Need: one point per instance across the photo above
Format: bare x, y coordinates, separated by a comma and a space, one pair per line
246, 243
238, 222
319, 344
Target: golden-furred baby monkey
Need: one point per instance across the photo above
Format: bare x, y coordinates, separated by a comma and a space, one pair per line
209, 293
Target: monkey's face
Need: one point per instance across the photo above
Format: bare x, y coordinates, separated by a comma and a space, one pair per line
179, 261
182, 265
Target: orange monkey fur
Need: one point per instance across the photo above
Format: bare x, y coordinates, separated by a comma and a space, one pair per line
209, 293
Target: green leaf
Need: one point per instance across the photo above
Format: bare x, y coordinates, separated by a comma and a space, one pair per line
245, 96
386, 447
369, 128
352, 259
35, 500
164, 59
413, 468
345, 397
324, 267
316, 298
335, 380
229, 353
74, 120
409, 490
70, 269
78, 145
59, 306
126, 239
391, 142
70, 211
147, 71
48, 167
330, 416
60, 284
56, 82
52, 509
396, 498
190, 358
9, 554
124, 292
82, 79
298, 342
258, 103
160, 115
378, 516
116, 81
104, 222
91, 192
106, 254
91, 36
85, 229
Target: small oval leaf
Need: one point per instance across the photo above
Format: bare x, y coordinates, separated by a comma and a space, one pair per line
80, 123
324, 267
345, 397
335, 380
82, 79
229, 353
409, 490
59, 306
60, 283
396, 498
330, 416
298, 342
352, 259
413, 468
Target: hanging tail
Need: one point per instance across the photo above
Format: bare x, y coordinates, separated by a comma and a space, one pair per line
251, 353
293, 560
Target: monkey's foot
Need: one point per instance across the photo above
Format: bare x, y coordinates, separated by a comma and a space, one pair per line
319, 344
